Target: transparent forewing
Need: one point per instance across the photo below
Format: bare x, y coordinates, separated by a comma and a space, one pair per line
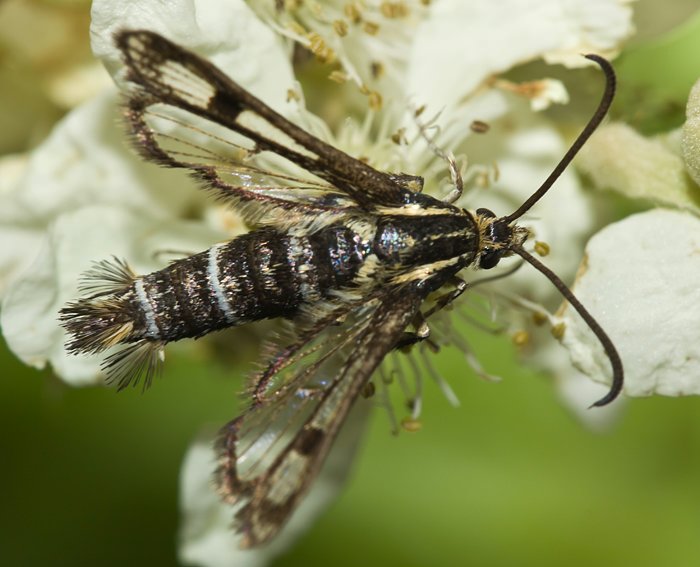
271, 453
290, 387
169, 74
262, 185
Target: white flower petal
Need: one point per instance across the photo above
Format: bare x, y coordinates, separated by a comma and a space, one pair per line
640, 282
225, 31
550, 92
85, 161
461, 44
619, 158
29, 316
590, 26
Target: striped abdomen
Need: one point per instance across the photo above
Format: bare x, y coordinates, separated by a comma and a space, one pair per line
259, 275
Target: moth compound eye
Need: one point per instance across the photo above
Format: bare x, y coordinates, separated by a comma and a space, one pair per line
489, 259
488, 213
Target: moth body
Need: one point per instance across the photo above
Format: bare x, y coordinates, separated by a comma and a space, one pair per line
350, 254
268, 273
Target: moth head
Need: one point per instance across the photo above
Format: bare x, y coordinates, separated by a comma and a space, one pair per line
498, 236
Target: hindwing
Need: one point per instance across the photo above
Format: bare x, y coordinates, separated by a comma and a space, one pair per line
272, 452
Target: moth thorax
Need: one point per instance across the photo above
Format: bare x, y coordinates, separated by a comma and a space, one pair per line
425, 239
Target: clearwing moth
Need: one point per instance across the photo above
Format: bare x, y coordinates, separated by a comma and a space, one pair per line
349, 254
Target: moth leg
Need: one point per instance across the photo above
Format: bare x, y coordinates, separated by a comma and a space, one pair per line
409, 338
420, 323
457, 181
455, 174
442, 301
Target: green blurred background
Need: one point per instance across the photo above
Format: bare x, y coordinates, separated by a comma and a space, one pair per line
90, 477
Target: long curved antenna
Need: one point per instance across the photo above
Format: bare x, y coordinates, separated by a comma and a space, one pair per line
610, 350
593, 123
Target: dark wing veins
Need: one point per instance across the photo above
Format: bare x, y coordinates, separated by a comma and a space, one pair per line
271, 454
169, 74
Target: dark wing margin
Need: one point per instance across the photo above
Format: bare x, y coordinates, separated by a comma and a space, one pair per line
267, 498
170, 74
